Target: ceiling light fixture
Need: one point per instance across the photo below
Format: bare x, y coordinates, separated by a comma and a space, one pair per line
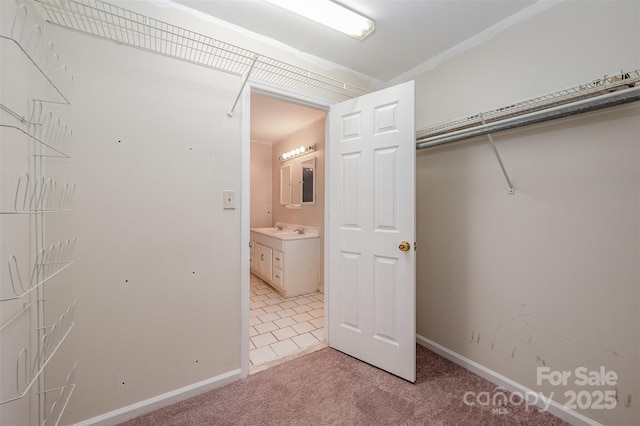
331, 14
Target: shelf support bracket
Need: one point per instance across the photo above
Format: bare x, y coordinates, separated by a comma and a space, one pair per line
244, 83
511, 190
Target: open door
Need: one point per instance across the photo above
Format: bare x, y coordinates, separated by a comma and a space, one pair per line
371, 271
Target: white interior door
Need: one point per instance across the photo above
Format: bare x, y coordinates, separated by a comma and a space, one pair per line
371, 309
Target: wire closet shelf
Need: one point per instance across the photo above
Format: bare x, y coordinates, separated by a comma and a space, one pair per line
136, 30
598, 88
126, 27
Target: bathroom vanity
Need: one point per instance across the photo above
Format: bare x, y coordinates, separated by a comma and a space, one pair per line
289, 261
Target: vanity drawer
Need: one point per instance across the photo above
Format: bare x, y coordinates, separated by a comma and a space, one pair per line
277, 276
277, 259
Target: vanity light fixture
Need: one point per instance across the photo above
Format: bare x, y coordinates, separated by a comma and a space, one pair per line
297, 152
330, 14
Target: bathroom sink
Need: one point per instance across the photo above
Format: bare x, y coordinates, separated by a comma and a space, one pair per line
284, 234
270, 230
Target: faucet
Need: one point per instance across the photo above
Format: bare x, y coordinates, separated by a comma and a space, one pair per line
299, 230
278, 226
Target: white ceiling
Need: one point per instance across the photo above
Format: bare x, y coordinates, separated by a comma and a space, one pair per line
408, 33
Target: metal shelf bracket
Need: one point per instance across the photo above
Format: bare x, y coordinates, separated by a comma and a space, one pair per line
511, 190
244, 83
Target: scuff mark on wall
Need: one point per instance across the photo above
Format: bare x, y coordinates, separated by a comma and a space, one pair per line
558, 335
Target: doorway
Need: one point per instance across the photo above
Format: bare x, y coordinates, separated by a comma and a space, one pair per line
280, 326
372, 291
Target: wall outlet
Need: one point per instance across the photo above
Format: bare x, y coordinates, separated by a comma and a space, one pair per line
229, 199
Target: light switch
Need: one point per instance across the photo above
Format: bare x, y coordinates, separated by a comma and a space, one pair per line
229, 199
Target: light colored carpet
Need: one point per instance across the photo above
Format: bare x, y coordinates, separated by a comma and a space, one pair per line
328, 387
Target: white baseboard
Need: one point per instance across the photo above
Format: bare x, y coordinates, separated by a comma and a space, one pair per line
143, 407
556, 409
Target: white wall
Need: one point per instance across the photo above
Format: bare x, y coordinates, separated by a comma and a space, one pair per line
157, 268
158, 261
261, 187
548, 276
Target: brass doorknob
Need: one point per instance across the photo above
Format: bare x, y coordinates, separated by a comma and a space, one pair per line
404, 246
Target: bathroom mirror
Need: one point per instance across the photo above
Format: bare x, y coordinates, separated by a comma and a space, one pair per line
285, 184
308, 169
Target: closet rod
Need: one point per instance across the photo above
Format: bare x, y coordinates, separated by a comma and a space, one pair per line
608, 100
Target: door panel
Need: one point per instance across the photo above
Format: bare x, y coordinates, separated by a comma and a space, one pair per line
349, 302
351, 170
385, 197
386, 288
371, 308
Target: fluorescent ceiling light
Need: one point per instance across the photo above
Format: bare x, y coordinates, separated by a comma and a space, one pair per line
330, 14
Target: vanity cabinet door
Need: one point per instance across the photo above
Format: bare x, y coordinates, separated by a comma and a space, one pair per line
263, 259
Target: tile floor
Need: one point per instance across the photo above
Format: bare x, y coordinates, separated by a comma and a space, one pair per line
280, 327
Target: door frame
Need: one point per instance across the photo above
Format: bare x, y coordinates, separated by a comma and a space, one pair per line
245, 201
